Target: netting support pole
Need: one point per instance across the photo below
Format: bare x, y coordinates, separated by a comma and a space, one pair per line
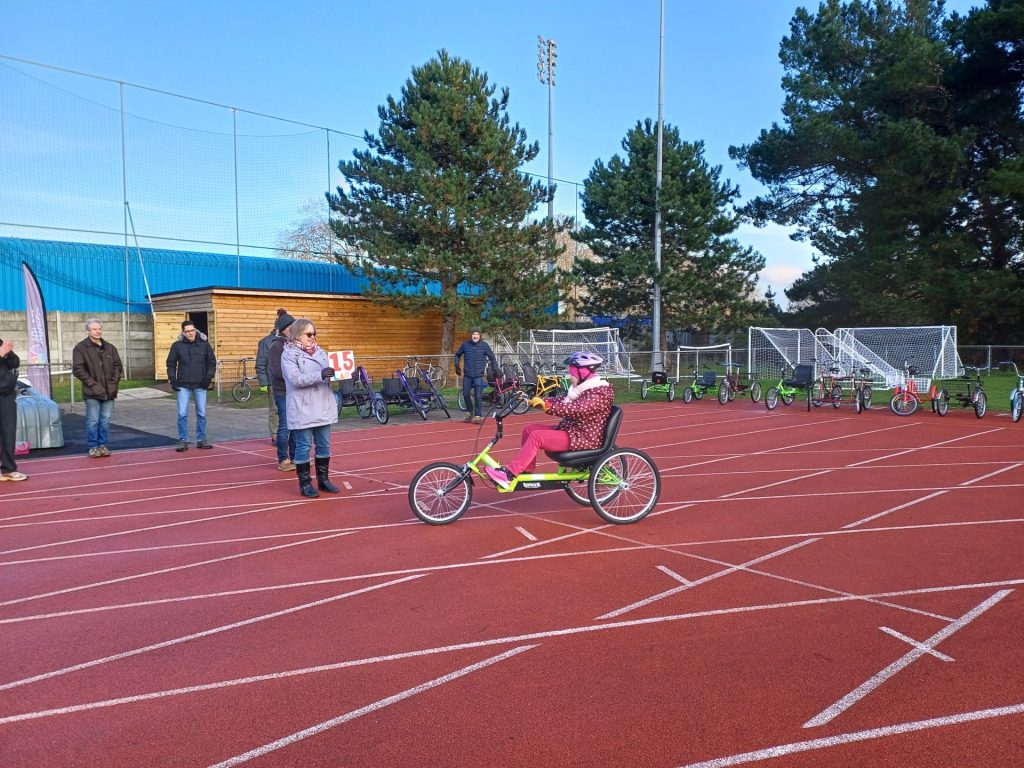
126, 325
238, 235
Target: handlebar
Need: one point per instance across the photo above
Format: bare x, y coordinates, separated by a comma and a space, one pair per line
1012, 364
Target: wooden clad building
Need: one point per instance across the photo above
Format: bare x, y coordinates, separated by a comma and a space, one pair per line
235, 319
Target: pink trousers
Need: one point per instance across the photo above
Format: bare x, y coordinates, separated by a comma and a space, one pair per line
536, 438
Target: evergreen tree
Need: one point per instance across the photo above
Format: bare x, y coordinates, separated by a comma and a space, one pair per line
707, 278
437, 204
900, 130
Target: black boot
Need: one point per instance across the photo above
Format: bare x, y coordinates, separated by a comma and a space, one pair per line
305, 483
323, 477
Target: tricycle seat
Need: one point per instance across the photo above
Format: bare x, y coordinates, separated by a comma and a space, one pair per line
803, 375
576, 459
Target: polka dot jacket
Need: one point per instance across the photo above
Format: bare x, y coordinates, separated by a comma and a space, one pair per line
584, 418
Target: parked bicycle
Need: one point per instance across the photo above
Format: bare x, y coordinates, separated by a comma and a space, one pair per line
242, 390
437, 374
1017, 393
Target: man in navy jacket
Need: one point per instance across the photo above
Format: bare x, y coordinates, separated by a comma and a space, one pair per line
475, 354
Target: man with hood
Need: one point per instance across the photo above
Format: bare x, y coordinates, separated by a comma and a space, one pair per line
475, 354
191, 366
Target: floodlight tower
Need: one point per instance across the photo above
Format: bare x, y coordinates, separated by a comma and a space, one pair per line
546, 55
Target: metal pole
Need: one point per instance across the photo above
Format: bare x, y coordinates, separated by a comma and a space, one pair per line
238, 237
656, 312
551, 128
127, 260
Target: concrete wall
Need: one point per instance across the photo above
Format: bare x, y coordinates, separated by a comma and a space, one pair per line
68, 328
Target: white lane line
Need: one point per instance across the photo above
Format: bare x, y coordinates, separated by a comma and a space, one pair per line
172, 569
883, 513
526, 533
370, 708
830, 713
851, 738
584, 553
992, 474
404, 655
914, 643
705, 580
673, 575
204, 633
925, 447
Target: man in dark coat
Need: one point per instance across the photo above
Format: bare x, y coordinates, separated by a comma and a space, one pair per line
191, 366
263, 374
9, 364
96, 363
475, 354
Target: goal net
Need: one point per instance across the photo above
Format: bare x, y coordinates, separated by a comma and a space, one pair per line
769, 350
551, 347
695, 360
931, 349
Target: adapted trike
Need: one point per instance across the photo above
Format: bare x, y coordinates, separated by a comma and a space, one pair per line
1017, 393
405, 393
787, 389
501, 386
700, 385
967, 391
733, 385
358, 392
621, 484
659, 383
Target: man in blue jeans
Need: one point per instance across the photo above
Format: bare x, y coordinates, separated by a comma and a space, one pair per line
285, 439
475, 353
191, 366
96, 363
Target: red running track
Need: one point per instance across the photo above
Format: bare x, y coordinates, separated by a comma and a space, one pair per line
813, 589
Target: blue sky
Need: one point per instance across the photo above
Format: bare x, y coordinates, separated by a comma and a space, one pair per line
331, 63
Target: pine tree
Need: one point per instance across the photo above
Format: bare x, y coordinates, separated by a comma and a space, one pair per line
707, 278
438, 208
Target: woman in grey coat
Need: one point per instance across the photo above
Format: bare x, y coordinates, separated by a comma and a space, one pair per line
310, 404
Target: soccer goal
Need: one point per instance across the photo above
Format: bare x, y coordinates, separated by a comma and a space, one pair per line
551, 347
931, 349
771, 349
694, 360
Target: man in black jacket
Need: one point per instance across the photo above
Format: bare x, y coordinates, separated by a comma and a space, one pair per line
96, 363
9, 364
263, 374
191, 366
475, 354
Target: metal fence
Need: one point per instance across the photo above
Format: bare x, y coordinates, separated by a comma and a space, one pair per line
97, 160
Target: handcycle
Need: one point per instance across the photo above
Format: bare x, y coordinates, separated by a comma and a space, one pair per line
503, 385
242, 390
358, 392
621, 484
967, 391
1017, 393
428, 393
413, 369
542, 384
732, 386
659, 383
700, 385
787, 389
400, 391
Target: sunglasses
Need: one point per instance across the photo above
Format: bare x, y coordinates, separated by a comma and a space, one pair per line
312, 335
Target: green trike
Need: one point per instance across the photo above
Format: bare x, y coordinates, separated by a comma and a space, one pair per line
659, 383
700, 385
621, 484
787, 389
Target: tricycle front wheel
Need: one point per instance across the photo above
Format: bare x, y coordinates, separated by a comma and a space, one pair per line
440, 493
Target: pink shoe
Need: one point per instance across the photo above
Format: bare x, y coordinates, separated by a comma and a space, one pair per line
499, 476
